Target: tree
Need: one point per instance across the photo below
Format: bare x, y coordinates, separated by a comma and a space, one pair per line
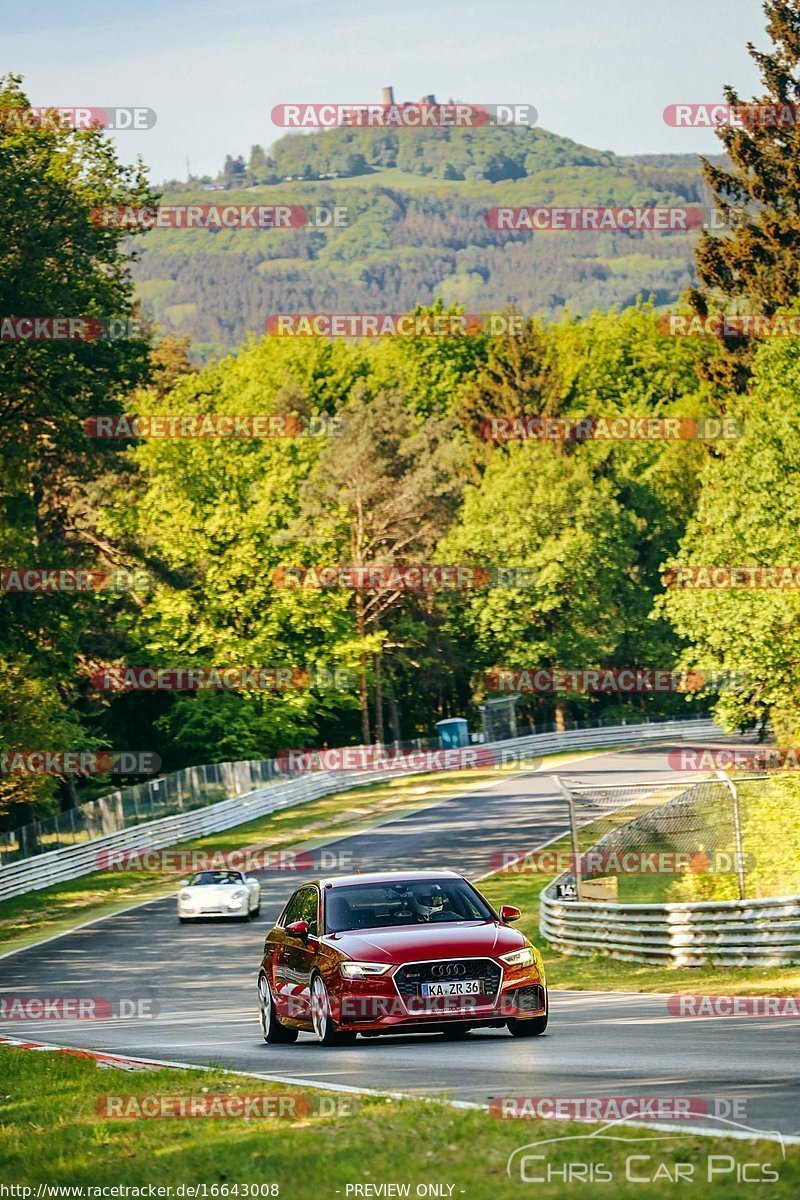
747, 515
380, 498
537, 509
57, 259
212, 513
758, 195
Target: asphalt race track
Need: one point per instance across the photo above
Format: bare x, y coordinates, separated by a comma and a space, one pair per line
201, 980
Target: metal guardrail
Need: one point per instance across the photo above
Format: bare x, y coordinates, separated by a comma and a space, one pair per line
729, 933
71, 862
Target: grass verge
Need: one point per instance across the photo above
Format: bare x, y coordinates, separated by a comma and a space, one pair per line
51, 1134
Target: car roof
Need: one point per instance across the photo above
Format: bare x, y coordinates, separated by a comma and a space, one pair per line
335, 881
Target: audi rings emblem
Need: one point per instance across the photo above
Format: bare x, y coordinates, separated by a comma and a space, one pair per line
445, 970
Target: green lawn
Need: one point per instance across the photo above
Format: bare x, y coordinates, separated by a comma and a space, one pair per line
51, 1133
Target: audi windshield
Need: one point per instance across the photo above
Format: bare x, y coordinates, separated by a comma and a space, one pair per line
411, 902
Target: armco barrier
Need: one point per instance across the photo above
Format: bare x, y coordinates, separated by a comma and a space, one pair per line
725, 933
57, 866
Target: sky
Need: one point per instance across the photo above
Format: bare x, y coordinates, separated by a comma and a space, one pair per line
600, 73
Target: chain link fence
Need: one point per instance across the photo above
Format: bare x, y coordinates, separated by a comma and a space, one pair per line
181, 791
720, 838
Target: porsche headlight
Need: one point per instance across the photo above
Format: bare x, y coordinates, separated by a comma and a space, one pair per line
186, 897
363, 970
519, 958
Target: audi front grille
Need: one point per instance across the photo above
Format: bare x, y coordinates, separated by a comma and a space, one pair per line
409, 978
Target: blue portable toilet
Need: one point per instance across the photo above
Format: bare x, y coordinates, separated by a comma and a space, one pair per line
453, 733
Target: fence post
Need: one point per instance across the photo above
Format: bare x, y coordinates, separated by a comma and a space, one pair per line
573, 829
737, 829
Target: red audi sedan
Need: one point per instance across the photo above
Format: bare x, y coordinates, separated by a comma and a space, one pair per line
399, 952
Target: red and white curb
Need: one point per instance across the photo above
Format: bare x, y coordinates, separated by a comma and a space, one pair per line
102, 1059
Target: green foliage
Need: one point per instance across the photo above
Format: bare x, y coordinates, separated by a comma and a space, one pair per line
55, 261
746, 515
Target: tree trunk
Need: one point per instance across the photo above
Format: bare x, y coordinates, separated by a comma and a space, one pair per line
363, 694
394, 716
363, 700
560, 718
376, 662
69, 796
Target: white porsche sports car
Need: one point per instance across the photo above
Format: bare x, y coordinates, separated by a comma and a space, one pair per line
219, 894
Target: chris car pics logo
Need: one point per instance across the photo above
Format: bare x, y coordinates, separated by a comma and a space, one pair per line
612, 1154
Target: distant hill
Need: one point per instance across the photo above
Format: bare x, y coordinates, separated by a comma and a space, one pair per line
417, 202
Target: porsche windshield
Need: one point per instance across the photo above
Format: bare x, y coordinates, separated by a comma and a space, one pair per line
410, 902
203, 878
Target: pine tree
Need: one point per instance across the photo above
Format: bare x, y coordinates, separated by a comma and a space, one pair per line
757, 194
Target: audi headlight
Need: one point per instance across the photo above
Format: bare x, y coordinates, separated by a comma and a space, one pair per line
363, 970
519, 958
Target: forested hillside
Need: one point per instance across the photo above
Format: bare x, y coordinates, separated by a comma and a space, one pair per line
417, 232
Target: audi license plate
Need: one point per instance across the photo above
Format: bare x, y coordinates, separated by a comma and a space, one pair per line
453, 987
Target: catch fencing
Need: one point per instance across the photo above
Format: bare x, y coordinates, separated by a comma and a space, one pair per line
46, 868
710, 871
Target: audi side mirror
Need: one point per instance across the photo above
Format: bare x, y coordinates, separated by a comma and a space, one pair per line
298, 929
509, 913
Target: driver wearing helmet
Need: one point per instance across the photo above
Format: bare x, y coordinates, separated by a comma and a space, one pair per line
428, 902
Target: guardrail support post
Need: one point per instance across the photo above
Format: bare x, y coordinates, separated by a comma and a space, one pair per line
573, 829
737, 830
